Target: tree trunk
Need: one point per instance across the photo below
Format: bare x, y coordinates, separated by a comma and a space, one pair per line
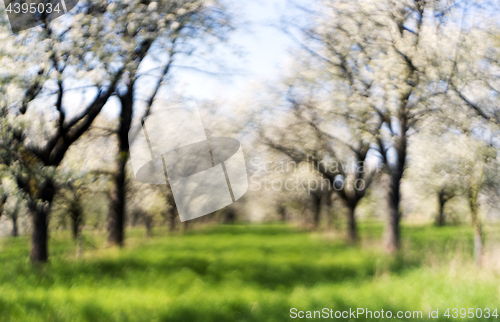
229, 215
148, 223
116, 218
14, 217
15, 230
39, 234
316, 210
282, 212
76, 225
149, 230
116, 222
392, 233
476, 222
172, 207
440, 220
171, 219
352, 231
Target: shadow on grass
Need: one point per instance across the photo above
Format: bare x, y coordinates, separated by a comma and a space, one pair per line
272, 259
268, 257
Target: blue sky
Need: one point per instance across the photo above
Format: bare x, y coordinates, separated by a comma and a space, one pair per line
262, 51
264, 47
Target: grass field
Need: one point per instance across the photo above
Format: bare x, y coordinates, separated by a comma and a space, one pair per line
245, 273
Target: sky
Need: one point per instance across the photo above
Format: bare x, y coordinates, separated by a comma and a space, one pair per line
262, 51
264, 47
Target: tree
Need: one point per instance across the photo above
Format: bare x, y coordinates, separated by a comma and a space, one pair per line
13, 214
190, 22
99, 47
393, 57
70, 197
145, 204
305, 128
33, 146
481, 179
3, 200
436, 169
11, 211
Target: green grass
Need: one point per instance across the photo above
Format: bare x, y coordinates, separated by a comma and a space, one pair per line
243, 273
